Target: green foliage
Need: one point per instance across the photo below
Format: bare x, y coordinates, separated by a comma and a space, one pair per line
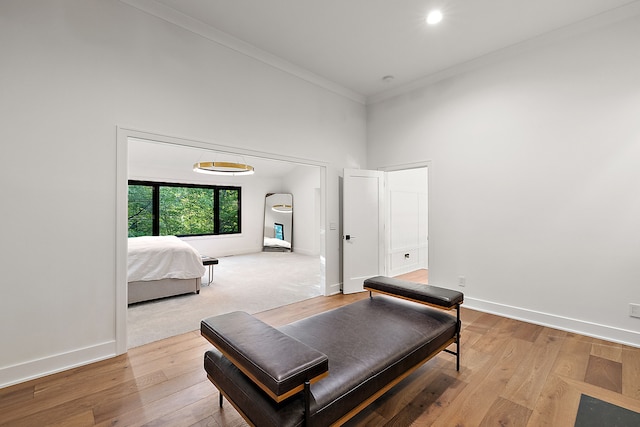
228, 211
183, 211
140, 210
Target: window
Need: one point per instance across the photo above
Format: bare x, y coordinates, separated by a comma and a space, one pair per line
165, 209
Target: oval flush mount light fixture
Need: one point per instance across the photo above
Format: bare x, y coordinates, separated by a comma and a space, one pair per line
434, 17
223, 168
282, 208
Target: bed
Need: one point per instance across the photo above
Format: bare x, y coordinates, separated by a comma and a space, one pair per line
161, 266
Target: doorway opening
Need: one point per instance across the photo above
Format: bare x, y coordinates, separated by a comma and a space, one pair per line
407, 223
155, 157
390, 208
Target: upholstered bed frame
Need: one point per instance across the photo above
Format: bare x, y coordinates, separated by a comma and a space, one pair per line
162, 266
326, 368
154, 289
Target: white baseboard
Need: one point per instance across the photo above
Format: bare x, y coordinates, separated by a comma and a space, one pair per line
334, 289
38, 368
303, 251
595, 330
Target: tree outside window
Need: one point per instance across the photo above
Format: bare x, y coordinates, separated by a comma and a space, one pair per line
182, 209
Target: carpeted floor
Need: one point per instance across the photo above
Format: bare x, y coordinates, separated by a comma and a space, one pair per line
251, 283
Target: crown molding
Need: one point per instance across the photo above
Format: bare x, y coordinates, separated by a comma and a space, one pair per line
609, 17
168, 14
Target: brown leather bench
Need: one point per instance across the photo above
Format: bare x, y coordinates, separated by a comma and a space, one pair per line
324, 369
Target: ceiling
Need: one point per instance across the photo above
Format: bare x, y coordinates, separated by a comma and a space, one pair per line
177, 160
355, 43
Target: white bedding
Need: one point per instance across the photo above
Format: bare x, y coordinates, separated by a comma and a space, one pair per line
162, 257
273, 242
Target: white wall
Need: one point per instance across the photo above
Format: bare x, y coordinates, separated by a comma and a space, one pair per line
303, 183
72, 72
534, 193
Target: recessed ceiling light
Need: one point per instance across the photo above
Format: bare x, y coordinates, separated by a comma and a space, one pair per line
434, 17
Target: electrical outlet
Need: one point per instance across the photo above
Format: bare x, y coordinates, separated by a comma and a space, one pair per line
634, 310
462, 281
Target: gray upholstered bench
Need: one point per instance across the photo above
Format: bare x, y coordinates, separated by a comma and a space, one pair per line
324, 369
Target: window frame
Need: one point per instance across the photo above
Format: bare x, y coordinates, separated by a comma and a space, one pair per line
155, 185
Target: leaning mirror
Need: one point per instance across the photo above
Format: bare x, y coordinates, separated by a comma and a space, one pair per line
278, 222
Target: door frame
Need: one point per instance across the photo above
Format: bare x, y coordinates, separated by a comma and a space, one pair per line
122, 165
400, 167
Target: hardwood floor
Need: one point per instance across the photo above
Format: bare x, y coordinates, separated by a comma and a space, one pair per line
512, 373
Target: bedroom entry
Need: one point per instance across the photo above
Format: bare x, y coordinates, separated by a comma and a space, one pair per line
385, 220
169, 161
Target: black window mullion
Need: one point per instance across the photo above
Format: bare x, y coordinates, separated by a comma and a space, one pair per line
239, 210
156, 210
216, 211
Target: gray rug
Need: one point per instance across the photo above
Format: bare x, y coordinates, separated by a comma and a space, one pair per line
594, 412
251, 283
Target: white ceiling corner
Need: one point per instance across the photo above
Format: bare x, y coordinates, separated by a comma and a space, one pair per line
348, 47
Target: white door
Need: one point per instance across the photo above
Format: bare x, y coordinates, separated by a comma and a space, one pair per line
363, 227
